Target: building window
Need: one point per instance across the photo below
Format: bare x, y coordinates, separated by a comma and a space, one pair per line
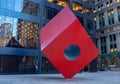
49, 13
88, 1
18, 64
87, 11
103, 45
101, 20
96, 43
113, 45
79, 8
23, 6
81, 20
63, 3
93, 2
102, 6
94, 10
16, 5
99, 8
95, 22
16, 32
50, 0
118, 10
31, 8
28, 34
89, 24
47, 66
111, 1
110, 16
107, 4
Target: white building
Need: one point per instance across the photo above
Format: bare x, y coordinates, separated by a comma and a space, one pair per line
107, 24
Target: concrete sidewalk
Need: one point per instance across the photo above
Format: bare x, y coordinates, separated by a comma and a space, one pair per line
81, 78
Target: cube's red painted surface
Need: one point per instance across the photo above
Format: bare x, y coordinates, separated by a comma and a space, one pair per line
64, 30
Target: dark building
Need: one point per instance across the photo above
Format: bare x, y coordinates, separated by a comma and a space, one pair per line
22, 19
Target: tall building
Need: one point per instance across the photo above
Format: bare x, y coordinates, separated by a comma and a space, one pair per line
21, 54
107, 24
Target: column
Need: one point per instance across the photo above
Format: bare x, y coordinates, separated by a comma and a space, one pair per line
106, 18
115, 15
108, 43
97, 22
118, 41
85, 23
71, 4
99, 44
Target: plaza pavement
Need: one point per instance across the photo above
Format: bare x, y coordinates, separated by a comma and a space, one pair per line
107, 77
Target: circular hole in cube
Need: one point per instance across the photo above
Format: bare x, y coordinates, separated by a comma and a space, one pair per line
72, 52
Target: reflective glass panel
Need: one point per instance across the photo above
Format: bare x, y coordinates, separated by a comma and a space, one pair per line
18, 64
24, 6
16, 32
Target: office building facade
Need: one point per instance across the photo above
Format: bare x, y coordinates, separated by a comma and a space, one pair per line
107, 24
20, 23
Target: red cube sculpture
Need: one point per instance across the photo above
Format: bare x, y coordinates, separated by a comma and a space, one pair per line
62, 31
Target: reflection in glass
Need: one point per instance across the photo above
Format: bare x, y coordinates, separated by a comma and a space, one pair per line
118, 10
63, 3
47, 66
24, 6
16, 5
31, 8
110, 16
19, 31
28, 33
15, 31
18, 64
79, 8
111, 62
49, 12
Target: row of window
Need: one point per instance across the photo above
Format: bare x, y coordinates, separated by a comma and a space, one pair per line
113, 45
79, 8
88, 1
88, 25
33, 8
23, 6
66, 2
24, 64
97, 1
106, 4
18, 64
110, 15
75, 6
49, 13
108, 1
15, 32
